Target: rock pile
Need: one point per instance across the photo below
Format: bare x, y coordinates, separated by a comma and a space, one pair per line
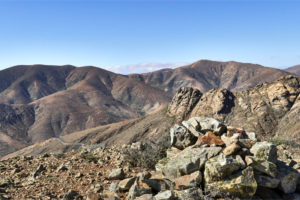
206, 160
210, 160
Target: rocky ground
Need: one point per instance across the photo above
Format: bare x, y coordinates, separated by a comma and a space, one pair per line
205, 160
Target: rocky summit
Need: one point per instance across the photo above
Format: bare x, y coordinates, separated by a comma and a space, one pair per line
204, 159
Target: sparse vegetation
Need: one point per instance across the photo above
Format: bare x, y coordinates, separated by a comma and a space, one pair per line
149, 155
283, 141
89, 157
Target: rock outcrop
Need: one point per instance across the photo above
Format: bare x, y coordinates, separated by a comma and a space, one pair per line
269, 109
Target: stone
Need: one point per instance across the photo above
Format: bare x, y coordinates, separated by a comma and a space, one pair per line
145, 197
158, 185
265, 167
126, 184
242, 185
230, 140
210, 139
231, 149
210, 124
62, 167
240, 160
181, 138
114, 187
93, 196
188, 161
138, 189
78, 175
193, 126
264, 151
249, 160
38, 170
116, 174
189, 194
246, 143
70, 195
188, 181
220, 167
266, 181
288, 178
165, 195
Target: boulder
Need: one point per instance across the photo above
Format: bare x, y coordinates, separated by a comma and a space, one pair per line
116, 174
220, 167
210, 124
241, 185
114, 187
264, 151
126, 184
231, 149
189, 194
188, 161
188, 181
228, 140
181, 138
266, 181
265, 167
138, 189
288, 178
165, 195
210, 139
193, 126
158, 185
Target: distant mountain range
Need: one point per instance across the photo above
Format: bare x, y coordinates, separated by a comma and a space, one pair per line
40, 102
295, 69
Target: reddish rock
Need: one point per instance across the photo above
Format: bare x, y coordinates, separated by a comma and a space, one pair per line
211, 139
188, 181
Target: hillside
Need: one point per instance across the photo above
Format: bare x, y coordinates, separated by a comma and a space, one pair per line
270, 109
205, 75
295, 69
41, 102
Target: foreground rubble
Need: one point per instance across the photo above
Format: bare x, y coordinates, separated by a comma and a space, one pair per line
205, 160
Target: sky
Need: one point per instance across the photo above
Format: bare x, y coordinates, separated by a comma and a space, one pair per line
129, 36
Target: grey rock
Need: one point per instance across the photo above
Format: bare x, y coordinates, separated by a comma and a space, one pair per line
70, 195
188, 161
193, 126
158, 185
126, 184
181, 138
145, 197
190, 194
264, 151
137, 190
288, 178
210, 124
220, 167
38, 171
116, 174
266, 181
114, 187
165, 195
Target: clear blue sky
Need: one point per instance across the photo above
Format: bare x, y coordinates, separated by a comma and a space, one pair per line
113, 33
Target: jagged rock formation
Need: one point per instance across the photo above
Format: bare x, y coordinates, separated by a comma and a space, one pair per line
268, 109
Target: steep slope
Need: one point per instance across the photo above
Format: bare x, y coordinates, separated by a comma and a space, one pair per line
79, 99
205, 75
295, 69
270, 109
